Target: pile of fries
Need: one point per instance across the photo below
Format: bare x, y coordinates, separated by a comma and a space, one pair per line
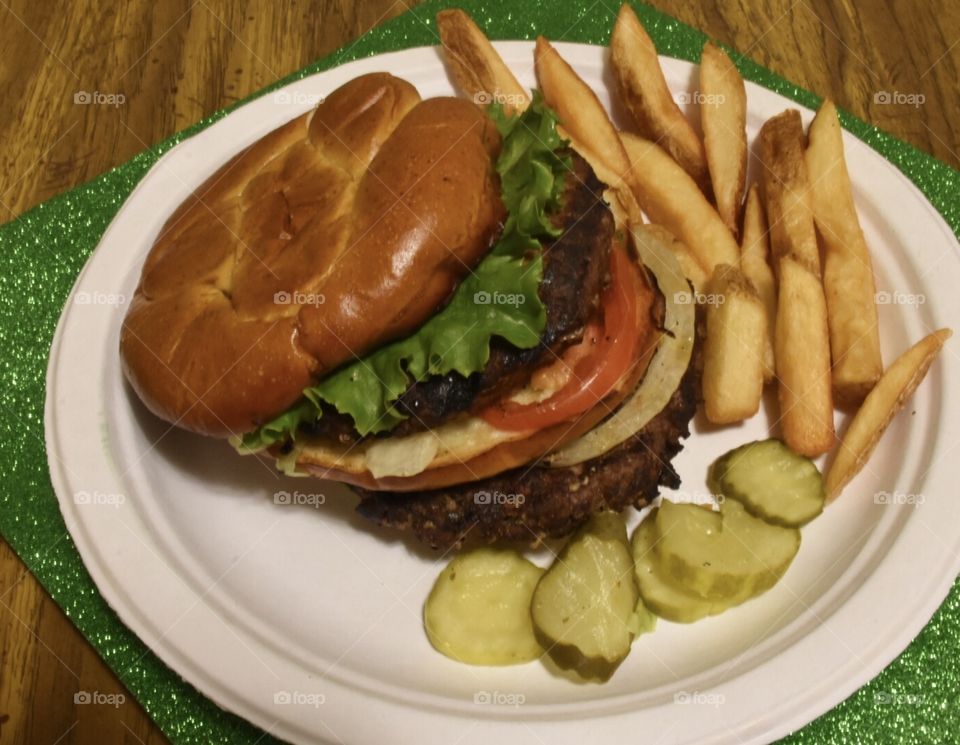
776, 312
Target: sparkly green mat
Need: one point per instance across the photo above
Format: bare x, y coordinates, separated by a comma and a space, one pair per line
42, 252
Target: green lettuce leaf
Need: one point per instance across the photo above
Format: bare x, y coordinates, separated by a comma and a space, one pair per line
278, 428
499, 298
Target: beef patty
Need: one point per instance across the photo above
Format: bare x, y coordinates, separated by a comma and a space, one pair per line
531, 503
574, 272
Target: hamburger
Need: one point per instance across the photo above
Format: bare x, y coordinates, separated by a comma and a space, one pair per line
429, 301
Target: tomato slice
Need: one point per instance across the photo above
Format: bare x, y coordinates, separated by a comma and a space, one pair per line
613, 350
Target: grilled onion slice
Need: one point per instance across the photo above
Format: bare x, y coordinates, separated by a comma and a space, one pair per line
668, 365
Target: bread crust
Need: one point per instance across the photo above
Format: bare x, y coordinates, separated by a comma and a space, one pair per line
344, 229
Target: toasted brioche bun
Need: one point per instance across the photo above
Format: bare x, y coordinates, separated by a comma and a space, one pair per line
467, 449
342, 230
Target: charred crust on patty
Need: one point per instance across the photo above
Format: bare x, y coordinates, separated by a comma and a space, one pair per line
556, 501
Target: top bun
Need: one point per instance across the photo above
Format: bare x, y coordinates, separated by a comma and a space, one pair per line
336, 233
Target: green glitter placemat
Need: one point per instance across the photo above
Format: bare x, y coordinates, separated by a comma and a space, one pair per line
42, 252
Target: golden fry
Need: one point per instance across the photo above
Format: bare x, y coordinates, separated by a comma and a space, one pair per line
671, 198
888, 396
847, 270
475, 65
803, 361
644, 91
786, 189
733, 351
755, 265
802, 336
585, 121
723, 115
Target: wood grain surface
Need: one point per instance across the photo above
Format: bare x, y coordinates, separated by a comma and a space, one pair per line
895, 63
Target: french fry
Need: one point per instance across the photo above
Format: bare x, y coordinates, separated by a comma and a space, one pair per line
733, 351
688, 262
802, 336
475, 65
847, 270
671, 198
585, 122
646, 96
887, 397
803, 361
723, 115
755, 265
786, 187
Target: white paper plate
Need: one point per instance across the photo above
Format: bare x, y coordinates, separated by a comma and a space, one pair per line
306, 620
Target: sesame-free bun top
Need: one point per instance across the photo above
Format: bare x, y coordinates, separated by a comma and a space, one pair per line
344, 229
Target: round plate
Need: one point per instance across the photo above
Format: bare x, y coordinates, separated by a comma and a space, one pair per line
296, 614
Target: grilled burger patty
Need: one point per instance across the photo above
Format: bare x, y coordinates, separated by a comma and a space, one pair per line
531, 503
574, 272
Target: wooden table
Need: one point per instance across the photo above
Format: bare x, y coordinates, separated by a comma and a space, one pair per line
177, 61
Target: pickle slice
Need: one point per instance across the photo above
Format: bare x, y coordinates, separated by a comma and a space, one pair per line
771, 481
660, 594
720, 555
479, 608
584, 608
